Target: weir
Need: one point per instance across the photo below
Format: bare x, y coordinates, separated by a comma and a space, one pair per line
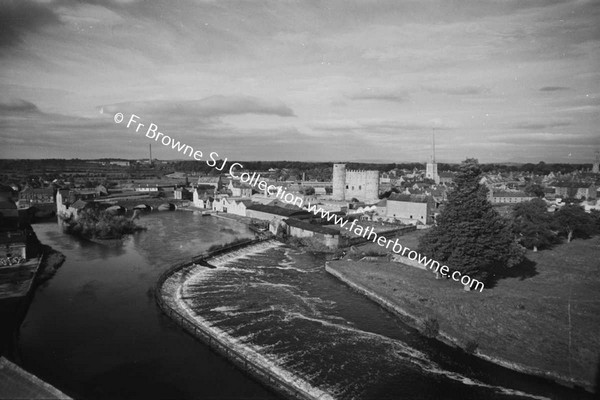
168, 296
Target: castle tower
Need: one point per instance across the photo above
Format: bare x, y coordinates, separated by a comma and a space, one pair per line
339, 182
596, 166
372, 187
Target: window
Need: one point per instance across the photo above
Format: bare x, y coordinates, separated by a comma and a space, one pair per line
352, 187
346, 186
359, 187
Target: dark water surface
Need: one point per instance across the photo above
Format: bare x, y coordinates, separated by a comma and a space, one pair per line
94, 330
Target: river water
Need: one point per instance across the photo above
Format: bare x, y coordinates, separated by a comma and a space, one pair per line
94, 330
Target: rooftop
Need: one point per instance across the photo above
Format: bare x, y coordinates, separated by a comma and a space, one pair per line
311, 227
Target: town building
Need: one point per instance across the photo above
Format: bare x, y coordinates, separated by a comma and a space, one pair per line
16, 240
182, 194
300, 229
214, 181
275, 215
508, 196
120, 163
239, 189
202, 200
147, 188
446, 178
30, 196
576, 190
410, 209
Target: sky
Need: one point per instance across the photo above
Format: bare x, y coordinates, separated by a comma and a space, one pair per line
336, 80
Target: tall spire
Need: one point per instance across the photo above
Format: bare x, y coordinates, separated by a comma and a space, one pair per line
433, 145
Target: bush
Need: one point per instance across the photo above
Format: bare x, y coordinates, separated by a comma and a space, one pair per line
96, 223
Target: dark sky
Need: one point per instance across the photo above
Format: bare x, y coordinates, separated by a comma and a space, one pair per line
508, 80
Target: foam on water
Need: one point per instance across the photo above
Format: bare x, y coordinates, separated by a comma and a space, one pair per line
250, 352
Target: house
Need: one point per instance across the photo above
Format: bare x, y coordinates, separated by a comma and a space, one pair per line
214, 181
446, 178
238, 206
494, 181
120, 163
70, 202
177, 175
182, 194
410, 209
13, 243
508, 196
239, 189
101, 190
276, 214
30, 196
86, 194
201, 199
147, 188
300, 229
577, 190
384, 178
15, 239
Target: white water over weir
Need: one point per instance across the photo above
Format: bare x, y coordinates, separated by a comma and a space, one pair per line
171, 298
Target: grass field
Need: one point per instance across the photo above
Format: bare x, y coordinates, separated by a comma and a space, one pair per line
543, 316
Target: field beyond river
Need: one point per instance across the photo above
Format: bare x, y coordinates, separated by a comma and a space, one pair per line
541, 318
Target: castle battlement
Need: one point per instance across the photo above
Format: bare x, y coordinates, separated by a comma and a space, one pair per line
362, 171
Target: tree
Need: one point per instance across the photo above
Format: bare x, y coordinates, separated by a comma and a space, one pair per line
535, 190
470, 236
97, 223
595, 214
532, 223
572, 220
309, 190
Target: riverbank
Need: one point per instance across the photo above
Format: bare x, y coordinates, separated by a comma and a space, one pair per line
16, 383
18, 293
541, 322
171, 298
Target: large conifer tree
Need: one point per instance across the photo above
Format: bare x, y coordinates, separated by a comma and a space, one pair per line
470, 236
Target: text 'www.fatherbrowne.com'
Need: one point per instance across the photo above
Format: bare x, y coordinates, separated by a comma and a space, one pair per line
151, 132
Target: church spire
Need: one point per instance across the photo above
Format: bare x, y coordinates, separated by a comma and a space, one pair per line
433, 145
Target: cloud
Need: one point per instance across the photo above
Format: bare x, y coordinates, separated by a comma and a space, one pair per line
391, 95
10, 106
542, 124
459, 90
538, 139
213, 106
19, 17
553, 88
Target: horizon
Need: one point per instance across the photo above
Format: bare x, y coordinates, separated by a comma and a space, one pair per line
299, 161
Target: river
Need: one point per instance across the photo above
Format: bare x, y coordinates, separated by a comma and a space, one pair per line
94, 330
